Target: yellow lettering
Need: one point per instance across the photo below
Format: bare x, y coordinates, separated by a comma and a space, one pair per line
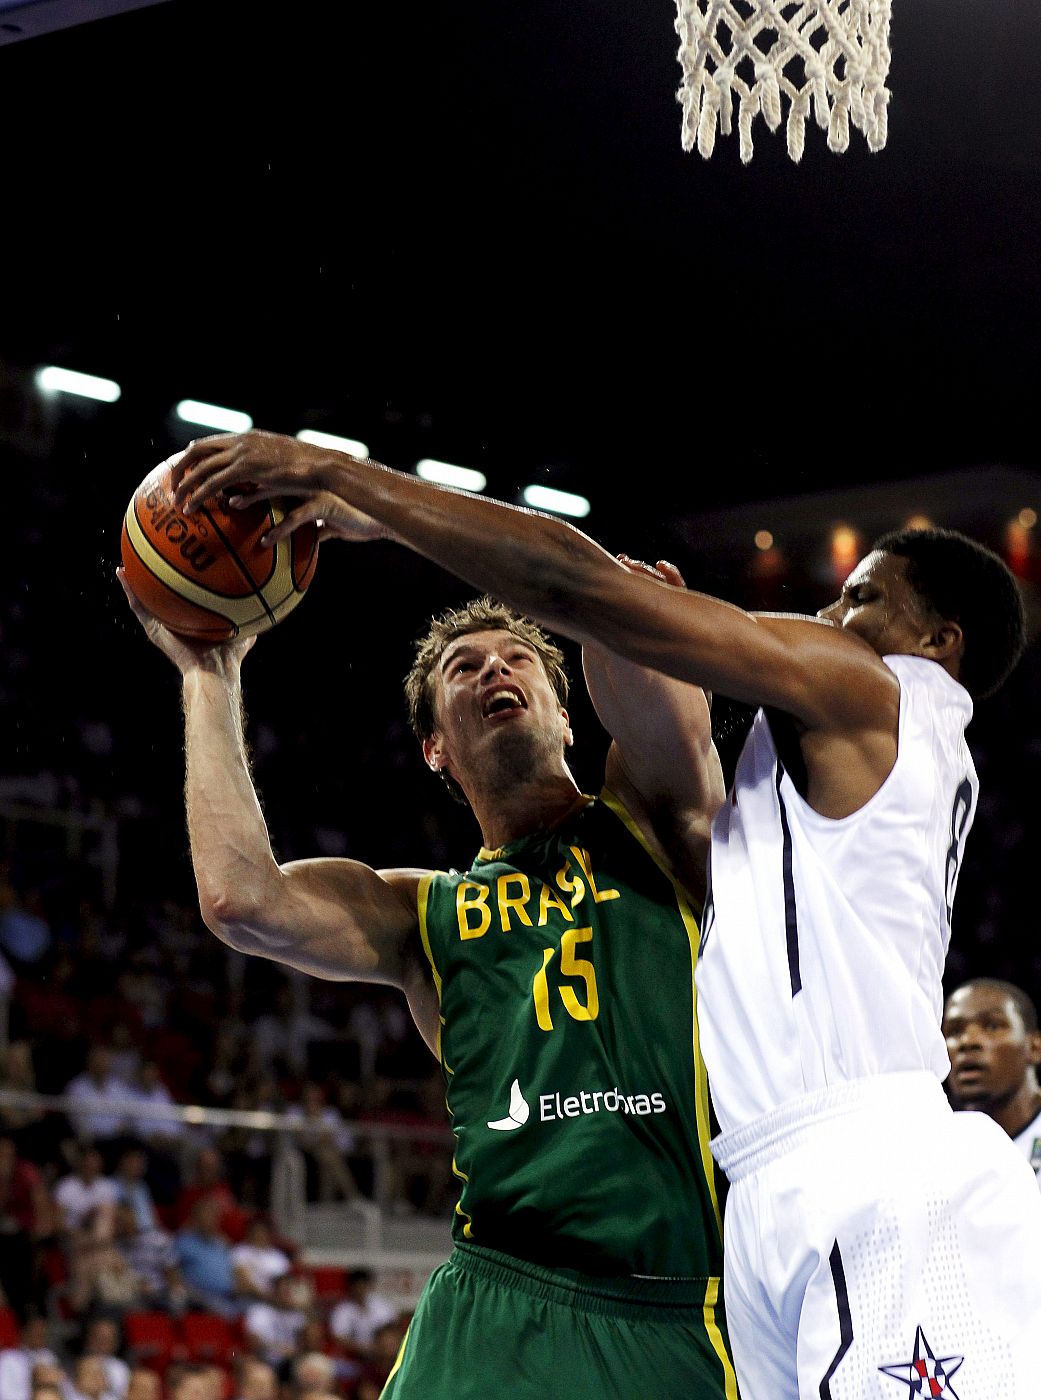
519, 879
464, 905
546, 898
540, 991
571, 966
572, 885
599, 896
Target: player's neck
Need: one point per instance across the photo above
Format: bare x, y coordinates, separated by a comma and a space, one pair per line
535, 805
1014, 1113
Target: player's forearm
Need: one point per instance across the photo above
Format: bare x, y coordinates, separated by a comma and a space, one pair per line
536, 563
231, 850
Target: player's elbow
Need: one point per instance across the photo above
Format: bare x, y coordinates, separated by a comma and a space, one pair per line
232, 915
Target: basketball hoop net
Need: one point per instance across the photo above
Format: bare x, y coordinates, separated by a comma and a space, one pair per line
829, 58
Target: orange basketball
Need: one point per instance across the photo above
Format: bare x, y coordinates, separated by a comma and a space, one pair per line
206, 575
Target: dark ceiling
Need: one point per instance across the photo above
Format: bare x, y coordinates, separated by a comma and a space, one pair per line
467, 230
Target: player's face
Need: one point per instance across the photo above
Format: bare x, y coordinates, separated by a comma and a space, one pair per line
990, 1048
492, 696
878, 603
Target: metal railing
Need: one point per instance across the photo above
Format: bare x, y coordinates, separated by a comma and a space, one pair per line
359, 1226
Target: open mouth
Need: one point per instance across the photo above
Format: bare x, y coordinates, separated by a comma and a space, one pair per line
969, 1072
503, 701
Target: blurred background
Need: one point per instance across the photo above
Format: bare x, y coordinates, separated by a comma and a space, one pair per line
464, 234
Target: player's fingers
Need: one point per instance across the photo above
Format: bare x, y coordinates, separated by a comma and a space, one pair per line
218, 476
671, 574
639, 566
310, 510
197, 451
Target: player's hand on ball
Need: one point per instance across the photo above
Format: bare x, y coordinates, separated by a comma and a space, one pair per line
186, 655
269, 464
663, 571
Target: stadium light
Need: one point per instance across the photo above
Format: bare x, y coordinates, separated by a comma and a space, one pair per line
334, 443
559, 502
446, 474
211, 415
52, 379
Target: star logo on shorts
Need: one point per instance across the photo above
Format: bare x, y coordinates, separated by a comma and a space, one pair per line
926, 1373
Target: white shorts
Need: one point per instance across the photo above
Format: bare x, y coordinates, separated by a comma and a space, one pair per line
879, 1246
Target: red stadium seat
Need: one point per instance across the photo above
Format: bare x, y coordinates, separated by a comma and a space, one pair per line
151, 1338
329, 1283
8, 1328
210, 1338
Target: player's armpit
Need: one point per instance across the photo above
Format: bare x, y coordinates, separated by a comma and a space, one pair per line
337, 919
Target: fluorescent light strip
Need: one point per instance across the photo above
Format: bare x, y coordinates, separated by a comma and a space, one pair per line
211, 415
560, 502
446, 474
51, 380
334, 443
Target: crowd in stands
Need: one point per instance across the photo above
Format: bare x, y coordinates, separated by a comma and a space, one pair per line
148, 1242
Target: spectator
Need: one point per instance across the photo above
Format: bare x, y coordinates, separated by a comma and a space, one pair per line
358, 1317
26, 1218
94, 1090
17, 1363
24, 931
144, 1384
255, 1380
272, 1328
150, 1257
86, 1197
994, 1043
89, 1380
186, 1382
133, 1189
325, 1140
208, 1183
149, 1089
46, 1391
313, 1376
258, 1261
101, 1340
385, 1347
33, 1133
204, 1257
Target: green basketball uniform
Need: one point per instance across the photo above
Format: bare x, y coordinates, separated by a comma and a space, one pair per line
564, 963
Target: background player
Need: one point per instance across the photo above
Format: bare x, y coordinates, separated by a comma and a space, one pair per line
994, 1044
555, 982
873, 1236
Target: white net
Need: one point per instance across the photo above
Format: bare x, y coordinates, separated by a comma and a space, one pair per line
828, 58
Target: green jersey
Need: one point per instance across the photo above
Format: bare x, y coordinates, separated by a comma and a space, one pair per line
564, 963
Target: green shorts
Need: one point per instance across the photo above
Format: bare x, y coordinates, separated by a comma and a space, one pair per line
490, 1327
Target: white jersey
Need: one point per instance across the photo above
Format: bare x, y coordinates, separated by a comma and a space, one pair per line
1028, 1140
825, 940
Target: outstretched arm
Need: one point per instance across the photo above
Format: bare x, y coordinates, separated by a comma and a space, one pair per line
332, 918
547, 568
662, 762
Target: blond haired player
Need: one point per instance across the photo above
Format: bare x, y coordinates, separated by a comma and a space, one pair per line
553, 979
877, 1241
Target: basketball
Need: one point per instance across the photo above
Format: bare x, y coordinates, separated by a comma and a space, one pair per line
206, 576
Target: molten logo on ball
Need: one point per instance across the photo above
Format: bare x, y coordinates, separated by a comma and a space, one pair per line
163, 517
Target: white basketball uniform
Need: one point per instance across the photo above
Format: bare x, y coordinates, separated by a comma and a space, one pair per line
876, 1243
1028, 1140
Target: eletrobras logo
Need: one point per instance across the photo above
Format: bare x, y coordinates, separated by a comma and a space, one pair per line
556, 1106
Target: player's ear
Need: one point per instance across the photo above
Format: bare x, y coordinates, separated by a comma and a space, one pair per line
944, 641
569, 737
434, 753
1034, 1047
